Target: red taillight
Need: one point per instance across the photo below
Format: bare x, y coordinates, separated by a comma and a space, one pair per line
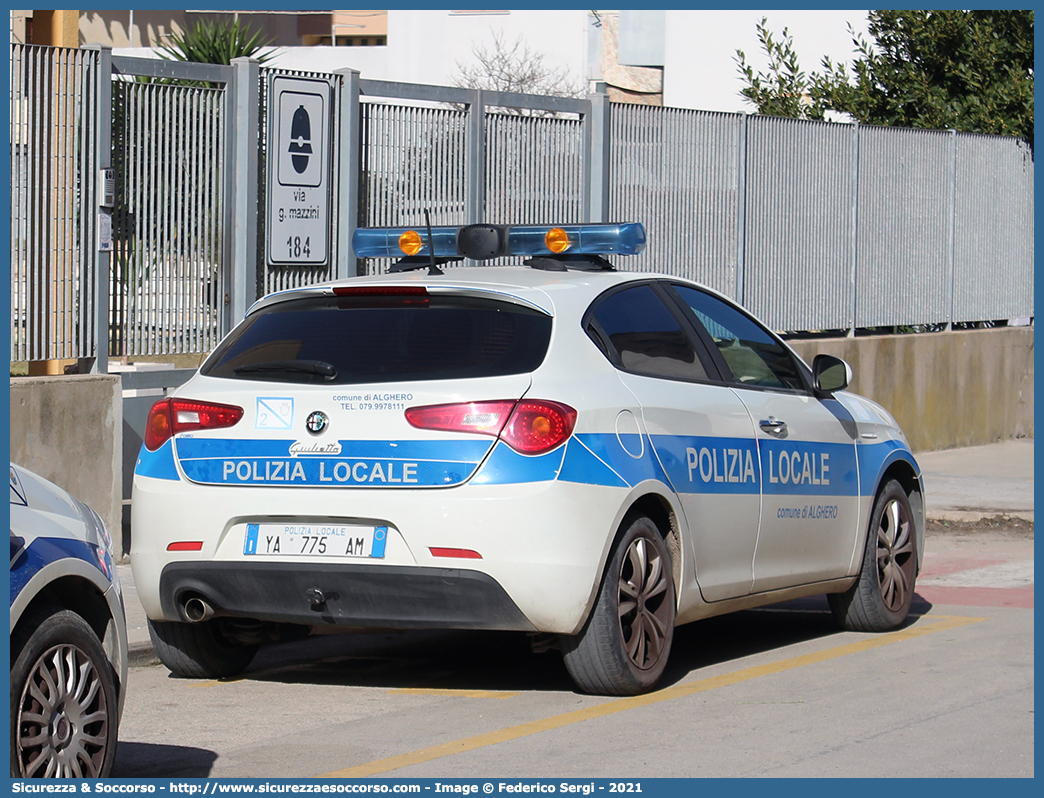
538, 426
388, 290
383, 296
487, 418
529, 426
158, 427
168, 417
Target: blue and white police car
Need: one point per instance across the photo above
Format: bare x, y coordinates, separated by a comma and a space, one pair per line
68, 635
556, 448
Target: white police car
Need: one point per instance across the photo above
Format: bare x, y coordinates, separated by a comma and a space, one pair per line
68, 635
553, 448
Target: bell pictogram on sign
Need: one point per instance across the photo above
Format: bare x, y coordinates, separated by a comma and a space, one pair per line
300, 148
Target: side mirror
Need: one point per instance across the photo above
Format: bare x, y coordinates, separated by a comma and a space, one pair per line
830, 373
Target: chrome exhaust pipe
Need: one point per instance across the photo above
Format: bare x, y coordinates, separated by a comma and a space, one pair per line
197, 610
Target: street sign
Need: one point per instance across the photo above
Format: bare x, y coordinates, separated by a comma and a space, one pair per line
298, 168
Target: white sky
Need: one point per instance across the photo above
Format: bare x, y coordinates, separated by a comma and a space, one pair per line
701, 50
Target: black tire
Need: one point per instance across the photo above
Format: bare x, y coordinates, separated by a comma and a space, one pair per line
624, 646
64, 699
199, 650
880, 600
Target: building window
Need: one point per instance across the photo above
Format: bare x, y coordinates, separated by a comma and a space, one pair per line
348, 41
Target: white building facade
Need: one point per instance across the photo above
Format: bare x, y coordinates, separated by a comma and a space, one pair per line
680, 58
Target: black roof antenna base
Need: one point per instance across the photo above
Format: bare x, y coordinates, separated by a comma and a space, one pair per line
561, 263
433, 268
419, 262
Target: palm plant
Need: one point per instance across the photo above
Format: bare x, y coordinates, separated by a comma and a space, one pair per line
215, 42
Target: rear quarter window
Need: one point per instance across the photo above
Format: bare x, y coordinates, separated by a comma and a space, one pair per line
345, 340
642, 336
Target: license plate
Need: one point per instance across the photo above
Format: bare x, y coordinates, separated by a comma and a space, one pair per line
309, 540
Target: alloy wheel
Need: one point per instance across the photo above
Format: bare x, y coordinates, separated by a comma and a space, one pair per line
895, 556
645, 615
63, 728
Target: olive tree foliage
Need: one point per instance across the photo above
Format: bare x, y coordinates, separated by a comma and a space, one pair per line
514, 67
967, 70
785, 90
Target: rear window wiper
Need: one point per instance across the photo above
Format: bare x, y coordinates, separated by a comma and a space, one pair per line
318, 368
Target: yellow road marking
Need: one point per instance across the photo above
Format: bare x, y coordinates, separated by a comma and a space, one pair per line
935, 624
219, 682
451, 693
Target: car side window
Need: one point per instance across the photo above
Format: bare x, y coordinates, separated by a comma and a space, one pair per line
643, 336
751, 353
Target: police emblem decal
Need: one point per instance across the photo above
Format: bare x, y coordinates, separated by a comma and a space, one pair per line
317, 422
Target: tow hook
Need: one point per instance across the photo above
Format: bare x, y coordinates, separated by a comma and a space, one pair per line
316, 598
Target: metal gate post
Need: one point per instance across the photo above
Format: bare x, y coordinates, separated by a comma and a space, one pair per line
951, 249
102, 160
347, 186
741, 210
854, 299
597, 126
475, 167
243, 98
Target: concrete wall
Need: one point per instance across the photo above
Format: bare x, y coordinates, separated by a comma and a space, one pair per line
70, 430
963, 388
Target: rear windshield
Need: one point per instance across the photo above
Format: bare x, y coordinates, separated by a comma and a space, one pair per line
346, 340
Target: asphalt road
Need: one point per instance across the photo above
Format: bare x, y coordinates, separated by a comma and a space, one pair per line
776, 692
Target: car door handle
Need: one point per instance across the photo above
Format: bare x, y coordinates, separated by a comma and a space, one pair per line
773, 426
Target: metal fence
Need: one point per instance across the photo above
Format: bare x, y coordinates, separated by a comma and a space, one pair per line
168, 152
681, 173
814, 226
992, 229
822, 226
535, 169
800, 213
468, 156
412, 158
54, 265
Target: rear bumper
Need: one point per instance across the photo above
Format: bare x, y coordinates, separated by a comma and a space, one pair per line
353, 596
542, 548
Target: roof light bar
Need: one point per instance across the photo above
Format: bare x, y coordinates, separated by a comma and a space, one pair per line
401, 242
579, 239
483, 241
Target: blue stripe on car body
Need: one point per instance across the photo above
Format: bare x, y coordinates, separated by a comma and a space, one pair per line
709, 465
808, 468
41, 552
874, 460
464, 451
158, 464
583, 466
505, 466
690, 464
231, 461
633, 470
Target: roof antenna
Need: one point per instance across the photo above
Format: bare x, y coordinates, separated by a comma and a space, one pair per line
432, 268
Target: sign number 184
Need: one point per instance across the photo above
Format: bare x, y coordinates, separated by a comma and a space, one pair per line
296, 247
